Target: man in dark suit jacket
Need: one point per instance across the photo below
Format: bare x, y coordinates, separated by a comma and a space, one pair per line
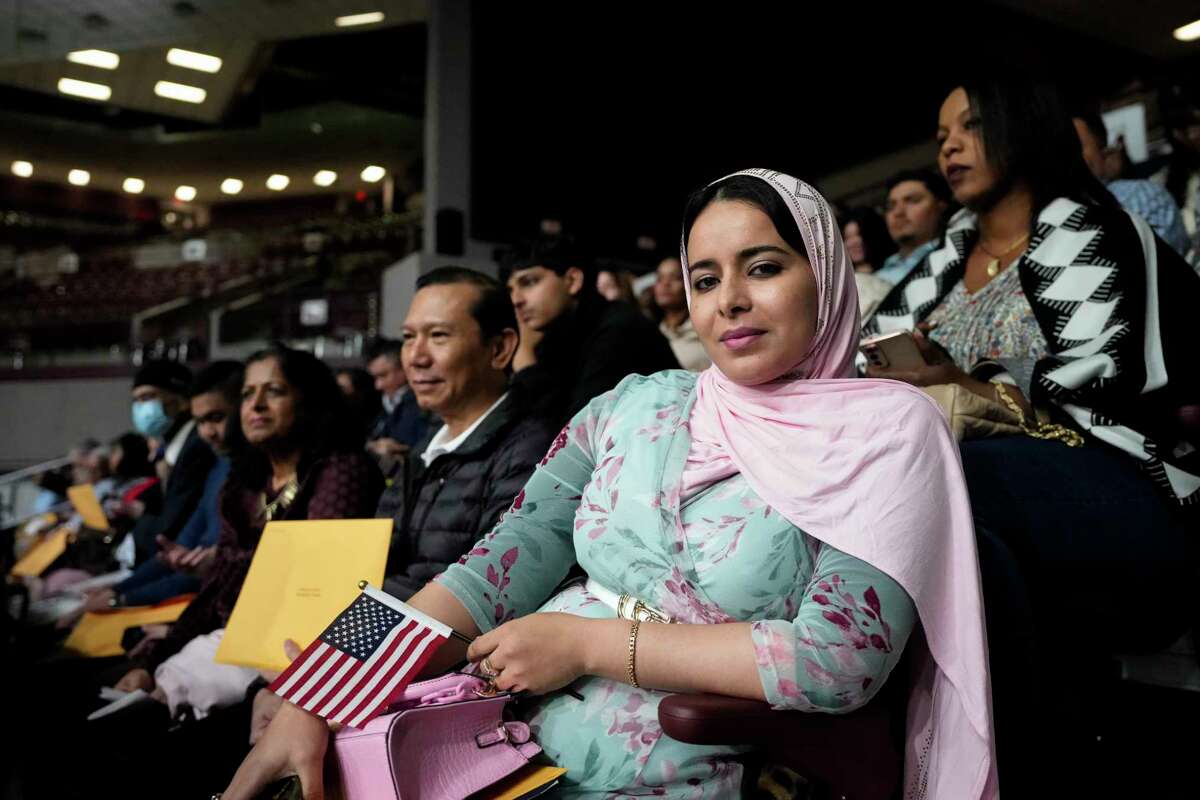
161, 413
402, 423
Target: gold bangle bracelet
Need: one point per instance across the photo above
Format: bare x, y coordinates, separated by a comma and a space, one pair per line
631, 661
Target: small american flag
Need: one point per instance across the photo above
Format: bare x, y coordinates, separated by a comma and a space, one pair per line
367, 656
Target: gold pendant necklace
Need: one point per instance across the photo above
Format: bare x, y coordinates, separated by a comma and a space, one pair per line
281, 502
993, 266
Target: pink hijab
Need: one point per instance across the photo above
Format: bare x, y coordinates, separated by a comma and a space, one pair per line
868, 467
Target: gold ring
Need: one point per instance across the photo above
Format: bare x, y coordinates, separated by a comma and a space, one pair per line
486, 667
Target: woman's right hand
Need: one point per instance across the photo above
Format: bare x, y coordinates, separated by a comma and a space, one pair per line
294, 744
136, 678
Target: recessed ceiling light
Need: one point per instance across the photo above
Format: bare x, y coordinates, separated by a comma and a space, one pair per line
277, 183
1189, 32
133, 185
188, 59
350, 20
180, 91
185, 193
22, 169
373, 174
92, 91
231, 186
101, 59
79, 177
325, 177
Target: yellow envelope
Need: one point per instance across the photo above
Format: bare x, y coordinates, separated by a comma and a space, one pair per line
99, 633
520, 783
42, 554
83, 497
304, 574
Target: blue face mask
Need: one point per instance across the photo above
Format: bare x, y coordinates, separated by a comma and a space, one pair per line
149, 419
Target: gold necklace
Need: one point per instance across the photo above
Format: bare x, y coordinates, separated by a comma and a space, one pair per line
281, 502
993, 267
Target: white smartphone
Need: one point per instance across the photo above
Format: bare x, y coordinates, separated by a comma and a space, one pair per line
896, 350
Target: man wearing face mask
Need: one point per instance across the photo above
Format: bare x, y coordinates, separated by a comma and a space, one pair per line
161, 413
180, 565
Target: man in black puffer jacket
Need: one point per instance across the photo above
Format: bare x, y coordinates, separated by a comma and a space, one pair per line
459, 338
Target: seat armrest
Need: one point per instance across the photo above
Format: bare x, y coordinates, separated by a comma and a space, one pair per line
855, 754
716, 719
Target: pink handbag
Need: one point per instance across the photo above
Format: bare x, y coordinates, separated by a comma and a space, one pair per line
442, 741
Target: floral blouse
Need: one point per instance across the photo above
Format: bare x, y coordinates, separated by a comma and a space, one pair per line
828, 628
994, 323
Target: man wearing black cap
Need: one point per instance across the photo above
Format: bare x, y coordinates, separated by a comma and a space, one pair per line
161, 414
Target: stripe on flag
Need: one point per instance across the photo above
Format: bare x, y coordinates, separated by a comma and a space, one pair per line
368, 655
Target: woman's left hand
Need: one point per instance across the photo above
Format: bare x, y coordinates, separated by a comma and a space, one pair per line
537, 653
939, 367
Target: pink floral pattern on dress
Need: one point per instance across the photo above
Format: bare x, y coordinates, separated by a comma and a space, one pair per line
837, 674
826, 627
559, 443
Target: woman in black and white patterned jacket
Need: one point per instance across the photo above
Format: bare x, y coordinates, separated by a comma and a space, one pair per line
1046, 295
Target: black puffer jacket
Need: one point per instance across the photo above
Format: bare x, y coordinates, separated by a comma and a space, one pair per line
440, 511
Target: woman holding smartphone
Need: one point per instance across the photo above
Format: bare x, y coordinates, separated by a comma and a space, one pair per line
1045, 294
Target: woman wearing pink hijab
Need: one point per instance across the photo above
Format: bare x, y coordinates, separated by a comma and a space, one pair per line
770, 529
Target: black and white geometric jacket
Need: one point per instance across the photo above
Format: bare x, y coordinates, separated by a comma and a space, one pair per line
1120, 312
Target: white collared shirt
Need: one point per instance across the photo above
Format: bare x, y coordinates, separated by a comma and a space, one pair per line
171, 454
442, 443
392, 402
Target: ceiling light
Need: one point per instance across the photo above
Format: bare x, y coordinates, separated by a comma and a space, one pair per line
79, 177
133, 185
1189, 32
325, 177
92, 91
359, 19
179, 91
231, 186
277, 183
192, 60
372, 174
185, 193
101, 59
22, 169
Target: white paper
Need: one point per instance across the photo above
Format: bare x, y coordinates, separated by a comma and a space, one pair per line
132, 698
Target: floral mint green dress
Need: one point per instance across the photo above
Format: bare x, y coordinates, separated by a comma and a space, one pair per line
828, 628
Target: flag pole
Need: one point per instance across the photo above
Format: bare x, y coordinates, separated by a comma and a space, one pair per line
461, 637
